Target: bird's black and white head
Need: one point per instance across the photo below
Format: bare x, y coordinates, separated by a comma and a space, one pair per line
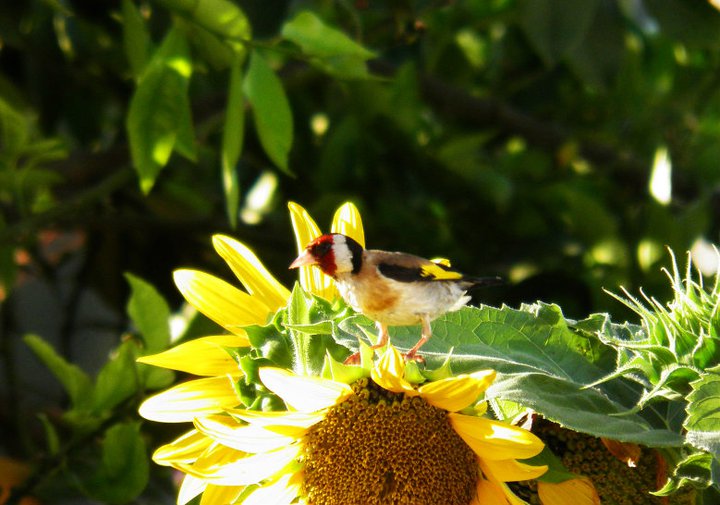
333, 254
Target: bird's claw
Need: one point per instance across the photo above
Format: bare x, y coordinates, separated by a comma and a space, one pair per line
353, 359
411, 356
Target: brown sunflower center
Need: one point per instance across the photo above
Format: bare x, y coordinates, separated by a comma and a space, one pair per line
380, 447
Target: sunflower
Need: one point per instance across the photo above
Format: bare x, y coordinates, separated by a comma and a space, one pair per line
380, 439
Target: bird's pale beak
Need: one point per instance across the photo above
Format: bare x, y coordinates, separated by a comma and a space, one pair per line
304, 259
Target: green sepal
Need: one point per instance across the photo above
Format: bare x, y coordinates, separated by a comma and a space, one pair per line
444, 371
366, 356
340, 372
413, 374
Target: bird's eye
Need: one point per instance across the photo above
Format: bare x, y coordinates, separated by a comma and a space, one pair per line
321, 249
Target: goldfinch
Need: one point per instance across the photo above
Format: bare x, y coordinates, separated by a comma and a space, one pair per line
391, 288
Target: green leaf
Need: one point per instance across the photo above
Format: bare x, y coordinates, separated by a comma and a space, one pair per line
14, 129
117, 380
220, 17
150, 313
124, 470
703, 421
51, 435
271, 110
158, 119
330, 49
315, 38
555, 27
136, 38
544, 365
271, 344
232, 140
598, 56
76, 383
694, 470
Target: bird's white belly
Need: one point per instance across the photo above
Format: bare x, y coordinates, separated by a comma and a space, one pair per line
403, 304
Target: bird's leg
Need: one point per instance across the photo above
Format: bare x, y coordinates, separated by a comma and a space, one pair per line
383, 337
424, 337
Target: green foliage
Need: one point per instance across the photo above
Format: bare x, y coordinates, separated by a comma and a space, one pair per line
158, 119
123, 469
329, 49
271, 110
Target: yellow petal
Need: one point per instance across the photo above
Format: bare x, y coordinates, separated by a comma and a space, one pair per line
230, 470
251, 272
220, 495
228, 306
510, 497
348, 222
306, 230
489, 493
306, 394
456, 393
493, 440
185, 449
191, 487
203, 356
186, 401
577, 491
242, 437
389, 370
276, 421
511, 470
282, 491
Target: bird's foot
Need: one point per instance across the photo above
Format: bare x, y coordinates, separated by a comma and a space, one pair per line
353, 359
412, 356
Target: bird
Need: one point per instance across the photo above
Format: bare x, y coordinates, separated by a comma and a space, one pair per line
391, 288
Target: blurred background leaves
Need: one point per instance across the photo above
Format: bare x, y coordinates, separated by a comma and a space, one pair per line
561, 144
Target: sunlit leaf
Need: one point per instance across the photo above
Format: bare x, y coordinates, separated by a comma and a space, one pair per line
703, 421
150, 313
158, 119
232, 140
271, 110
541, 364
316, 38
223, 18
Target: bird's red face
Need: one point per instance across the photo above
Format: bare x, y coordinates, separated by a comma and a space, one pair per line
319, 252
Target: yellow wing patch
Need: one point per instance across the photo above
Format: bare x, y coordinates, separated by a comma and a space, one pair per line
436, 272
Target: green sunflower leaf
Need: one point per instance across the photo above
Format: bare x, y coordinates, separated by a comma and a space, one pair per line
544, 364
703, 421
695, 470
